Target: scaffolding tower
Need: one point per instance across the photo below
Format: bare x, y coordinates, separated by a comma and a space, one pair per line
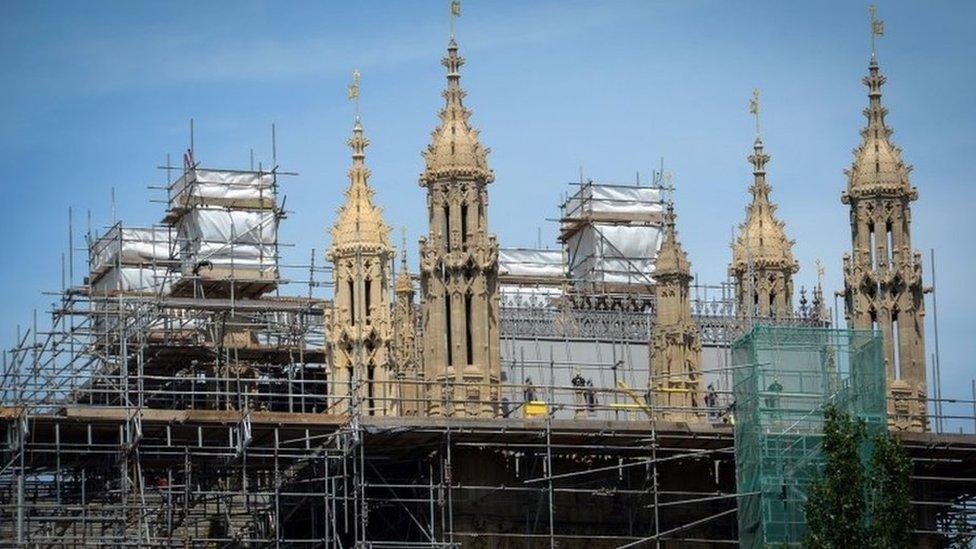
784, 379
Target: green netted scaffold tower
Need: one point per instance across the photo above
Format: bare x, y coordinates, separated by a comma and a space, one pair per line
784, 377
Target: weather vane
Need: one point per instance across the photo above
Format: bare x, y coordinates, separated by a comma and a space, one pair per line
877, 27
455, 13
754, 107
353, 91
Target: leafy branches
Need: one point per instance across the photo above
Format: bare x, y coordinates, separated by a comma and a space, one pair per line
851, 505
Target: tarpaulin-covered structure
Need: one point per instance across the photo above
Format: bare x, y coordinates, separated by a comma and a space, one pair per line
131, 259
611, 233
229, 188
526, 262
213, 237
226, 225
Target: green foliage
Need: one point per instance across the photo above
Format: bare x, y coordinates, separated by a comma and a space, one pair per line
836, 507
850, 506
889, 494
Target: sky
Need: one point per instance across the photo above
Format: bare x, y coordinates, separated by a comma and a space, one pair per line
94, 96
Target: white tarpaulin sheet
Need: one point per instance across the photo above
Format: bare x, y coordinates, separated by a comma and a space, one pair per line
526, 262
133, 279
130, 246
593, 198
223, 237
614, 253
220, 184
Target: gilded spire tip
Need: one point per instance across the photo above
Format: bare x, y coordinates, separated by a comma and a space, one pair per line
455, 13
754, 110
877, 30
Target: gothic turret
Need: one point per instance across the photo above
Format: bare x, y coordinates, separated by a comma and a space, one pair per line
361, 327
407, 362
762, 255
883, 274
459, 264
675, 345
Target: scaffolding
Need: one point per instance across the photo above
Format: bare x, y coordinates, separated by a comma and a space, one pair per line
225, 227
784, 379
177, 407
180, 409
611, 234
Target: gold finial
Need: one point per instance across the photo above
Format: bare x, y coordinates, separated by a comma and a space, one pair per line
455, 13
877, 28
353, 91
754, 107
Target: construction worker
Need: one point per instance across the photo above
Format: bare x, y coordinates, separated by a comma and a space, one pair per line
590, 397
579, 394
711, 401
528, 393
772, 399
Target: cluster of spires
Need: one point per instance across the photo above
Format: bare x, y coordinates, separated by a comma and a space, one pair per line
762, 253
456, 151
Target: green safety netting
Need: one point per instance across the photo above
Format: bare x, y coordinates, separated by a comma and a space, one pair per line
783, 378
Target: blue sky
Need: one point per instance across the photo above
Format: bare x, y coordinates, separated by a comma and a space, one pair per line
95, 95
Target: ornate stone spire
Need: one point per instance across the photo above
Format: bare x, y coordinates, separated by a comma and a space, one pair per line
671, 258
763, 249
675, 346
883, 276
409, 373
455, 150
459, 265
360, 221
762, 236
878, 167
404, 283
361, 331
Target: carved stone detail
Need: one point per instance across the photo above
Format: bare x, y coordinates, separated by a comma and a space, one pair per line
882, 275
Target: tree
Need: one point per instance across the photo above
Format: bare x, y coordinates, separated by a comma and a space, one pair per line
850, 506
835, 508
889, 494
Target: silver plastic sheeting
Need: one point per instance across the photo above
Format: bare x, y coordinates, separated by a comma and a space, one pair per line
614, 253
134, 279
594, 198
222, 184
527, 262
244, 238
130, 246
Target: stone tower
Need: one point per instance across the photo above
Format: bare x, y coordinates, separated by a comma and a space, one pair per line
408, 371
459, 264
762, 256
675, 344
361, 326
883, 274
